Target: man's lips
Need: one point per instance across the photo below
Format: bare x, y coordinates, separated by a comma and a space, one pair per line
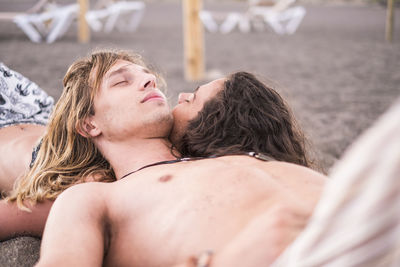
152, 96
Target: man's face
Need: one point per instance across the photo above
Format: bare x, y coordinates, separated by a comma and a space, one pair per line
129, 103
190, 104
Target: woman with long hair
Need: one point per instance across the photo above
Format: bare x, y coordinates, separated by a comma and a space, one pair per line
240, 114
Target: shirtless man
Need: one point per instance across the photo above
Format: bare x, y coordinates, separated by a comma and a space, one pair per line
161, 210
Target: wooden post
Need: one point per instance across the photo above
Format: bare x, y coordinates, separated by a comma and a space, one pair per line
389, 20
83, 27
193, 38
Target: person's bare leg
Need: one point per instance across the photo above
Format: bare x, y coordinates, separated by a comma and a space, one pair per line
15, 222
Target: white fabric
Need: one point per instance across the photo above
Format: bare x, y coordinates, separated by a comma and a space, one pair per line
357, 221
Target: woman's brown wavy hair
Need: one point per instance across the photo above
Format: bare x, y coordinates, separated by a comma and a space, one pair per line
247, 115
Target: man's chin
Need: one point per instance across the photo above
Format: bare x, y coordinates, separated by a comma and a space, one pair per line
164, 124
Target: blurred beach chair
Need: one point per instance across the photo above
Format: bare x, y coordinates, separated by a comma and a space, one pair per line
123, 15
45, 20
224, 22
279, 15
10, 16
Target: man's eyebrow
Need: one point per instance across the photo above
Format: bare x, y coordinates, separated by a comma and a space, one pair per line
117, 71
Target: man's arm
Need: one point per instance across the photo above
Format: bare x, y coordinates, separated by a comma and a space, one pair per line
74, 233
16, 222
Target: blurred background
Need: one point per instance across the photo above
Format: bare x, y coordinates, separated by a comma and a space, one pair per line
336, 70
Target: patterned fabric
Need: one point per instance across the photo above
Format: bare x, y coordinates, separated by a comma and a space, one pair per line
22, 101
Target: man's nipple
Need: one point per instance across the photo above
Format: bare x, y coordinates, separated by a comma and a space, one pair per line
165, 178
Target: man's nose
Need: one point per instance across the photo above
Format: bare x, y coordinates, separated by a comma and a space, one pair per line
183, 97
149, 82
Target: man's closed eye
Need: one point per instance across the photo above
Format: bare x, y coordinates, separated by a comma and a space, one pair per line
120, 83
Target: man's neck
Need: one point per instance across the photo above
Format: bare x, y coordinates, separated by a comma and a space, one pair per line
126, 157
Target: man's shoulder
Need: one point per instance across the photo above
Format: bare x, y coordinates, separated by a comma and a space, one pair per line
83, 192
296, 171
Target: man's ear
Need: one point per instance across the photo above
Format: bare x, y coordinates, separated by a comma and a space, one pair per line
88, 128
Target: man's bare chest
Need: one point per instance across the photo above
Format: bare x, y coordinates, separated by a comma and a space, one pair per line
178, 214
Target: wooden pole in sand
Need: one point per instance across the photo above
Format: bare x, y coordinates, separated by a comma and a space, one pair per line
83, 27
389, 20
193, 40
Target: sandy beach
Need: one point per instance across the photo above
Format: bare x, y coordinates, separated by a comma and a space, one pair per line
337, 71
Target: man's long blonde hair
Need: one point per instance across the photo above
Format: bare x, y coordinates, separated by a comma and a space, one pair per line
66, 157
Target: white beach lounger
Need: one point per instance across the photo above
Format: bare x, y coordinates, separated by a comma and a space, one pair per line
50, 24
123, 15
